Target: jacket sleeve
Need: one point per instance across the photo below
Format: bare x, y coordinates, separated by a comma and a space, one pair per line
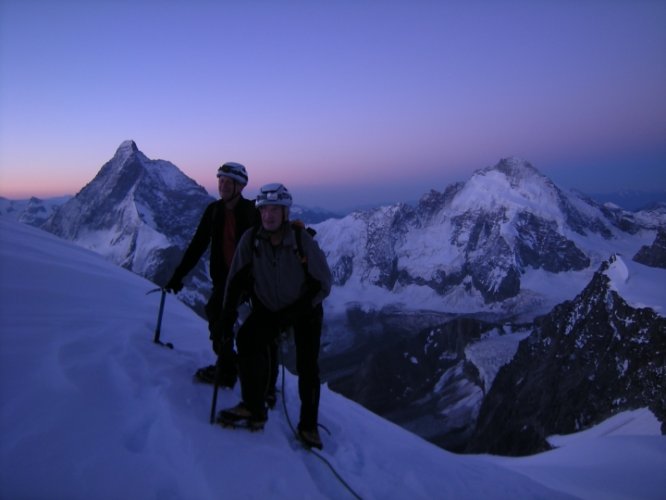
198, 245
318, 268
238, 281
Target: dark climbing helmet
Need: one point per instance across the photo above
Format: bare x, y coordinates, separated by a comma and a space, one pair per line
234, 171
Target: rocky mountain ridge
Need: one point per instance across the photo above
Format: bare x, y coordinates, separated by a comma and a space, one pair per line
471, 385
588, 359
654, 255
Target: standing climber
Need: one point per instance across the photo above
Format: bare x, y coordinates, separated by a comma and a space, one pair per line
220, 228
281, 271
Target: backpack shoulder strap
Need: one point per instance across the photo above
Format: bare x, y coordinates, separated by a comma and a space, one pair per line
298, 227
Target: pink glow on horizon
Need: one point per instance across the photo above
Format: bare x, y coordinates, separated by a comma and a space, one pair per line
342, 100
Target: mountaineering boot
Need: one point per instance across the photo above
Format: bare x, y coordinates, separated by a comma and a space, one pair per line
310, 438
240, 416
236, 413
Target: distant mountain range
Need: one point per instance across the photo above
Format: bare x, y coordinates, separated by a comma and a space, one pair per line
431, 301
633, 200
33, 211
495, 244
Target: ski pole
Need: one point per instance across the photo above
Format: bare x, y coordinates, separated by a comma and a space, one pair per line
215, 388
158, 328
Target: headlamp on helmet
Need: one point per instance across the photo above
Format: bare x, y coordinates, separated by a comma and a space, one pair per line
273, 194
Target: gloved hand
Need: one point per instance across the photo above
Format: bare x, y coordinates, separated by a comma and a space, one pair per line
174, 285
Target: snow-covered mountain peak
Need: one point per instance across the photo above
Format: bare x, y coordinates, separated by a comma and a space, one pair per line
126, 151
135, 212
512, 185
478, 243
129, 163
516, 169
128, 145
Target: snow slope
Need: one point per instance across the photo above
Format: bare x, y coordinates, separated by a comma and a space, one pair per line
592, 451
91, 408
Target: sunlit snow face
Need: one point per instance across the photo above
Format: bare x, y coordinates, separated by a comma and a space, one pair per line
271, 217
227, 187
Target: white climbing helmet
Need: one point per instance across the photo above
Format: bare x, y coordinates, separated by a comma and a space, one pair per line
273, 194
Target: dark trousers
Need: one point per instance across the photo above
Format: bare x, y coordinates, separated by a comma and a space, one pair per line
307, 337
213, 308
257, 360
227, 373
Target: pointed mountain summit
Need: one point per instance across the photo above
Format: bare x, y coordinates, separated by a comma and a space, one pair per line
139, 213
132, 186
513, 183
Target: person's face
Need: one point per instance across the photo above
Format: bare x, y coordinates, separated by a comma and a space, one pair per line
226, 187
271, 217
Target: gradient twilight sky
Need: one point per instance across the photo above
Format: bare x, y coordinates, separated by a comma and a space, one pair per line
345, 102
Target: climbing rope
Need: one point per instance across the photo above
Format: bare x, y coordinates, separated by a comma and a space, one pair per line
314, 452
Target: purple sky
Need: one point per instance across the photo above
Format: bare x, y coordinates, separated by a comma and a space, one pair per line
345, 102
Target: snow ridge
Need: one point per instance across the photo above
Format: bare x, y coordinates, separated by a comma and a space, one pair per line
119, 403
